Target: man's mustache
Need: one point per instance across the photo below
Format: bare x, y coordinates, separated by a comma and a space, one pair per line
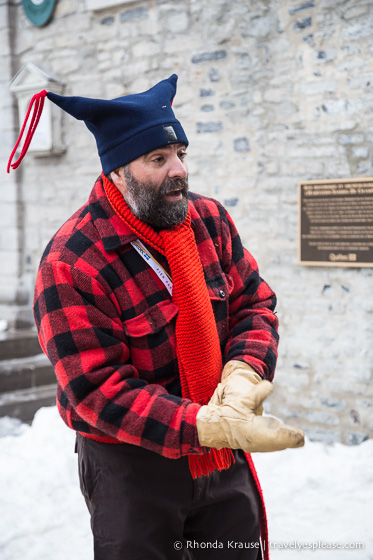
170, 185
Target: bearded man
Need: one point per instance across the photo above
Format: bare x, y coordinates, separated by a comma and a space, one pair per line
163, 338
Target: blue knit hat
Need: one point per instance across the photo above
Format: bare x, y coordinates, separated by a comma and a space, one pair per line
124, 128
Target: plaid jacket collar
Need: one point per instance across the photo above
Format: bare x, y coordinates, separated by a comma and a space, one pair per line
113, 232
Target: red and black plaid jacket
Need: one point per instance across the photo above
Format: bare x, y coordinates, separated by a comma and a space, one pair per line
107, 324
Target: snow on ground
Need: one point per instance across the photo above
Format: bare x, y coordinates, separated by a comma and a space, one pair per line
317, 496
43, 515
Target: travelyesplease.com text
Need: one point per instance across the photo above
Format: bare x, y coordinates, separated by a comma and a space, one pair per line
289, 545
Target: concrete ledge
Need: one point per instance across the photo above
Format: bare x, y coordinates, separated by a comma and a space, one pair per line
19, 344
25, 373
24, 404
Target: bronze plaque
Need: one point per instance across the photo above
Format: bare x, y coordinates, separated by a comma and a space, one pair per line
336, 222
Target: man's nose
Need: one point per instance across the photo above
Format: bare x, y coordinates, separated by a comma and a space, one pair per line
177, 168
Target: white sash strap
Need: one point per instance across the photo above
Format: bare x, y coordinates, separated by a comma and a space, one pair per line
156, 266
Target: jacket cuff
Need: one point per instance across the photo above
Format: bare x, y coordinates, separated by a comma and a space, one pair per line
189, 436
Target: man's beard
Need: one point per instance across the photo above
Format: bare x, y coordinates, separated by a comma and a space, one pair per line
147, 200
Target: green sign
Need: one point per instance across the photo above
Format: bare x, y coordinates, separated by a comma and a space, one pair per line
39, 12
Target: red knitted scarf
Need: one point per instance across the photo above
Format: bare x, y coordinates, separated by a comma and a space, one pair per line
198, 347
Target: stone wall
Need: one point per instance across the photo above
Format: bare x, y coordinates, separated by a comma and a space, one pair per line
270, 93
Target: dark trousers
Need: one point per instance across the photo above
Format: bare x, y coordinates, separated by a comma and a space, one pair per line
146, 507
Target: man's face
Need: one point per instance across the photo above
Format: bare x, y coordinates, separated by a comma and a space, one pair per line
155, 186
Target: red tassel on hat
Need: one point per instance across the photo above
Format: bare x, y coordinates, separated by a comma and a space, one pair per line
38, 100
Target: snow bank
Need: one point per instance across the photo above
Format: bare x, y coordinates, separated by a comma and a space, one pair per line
43, 515
321, 496
315, 496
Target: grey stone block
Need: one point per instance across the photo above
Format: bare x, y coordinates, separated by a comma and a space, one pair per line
208, 127
209, 56
355, 438
135, 13
214, 75
231, 201
308, 39
109, 20
362, 403
324, 436
228, 105
332, 402
286, 412
300, 7
260, 27
362, 152
241, 145
317, 417
207, 108
206, 92
303, 23
359, 28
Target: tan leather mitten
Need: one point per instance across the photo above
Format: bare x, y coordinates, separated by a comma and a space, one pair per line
234, 423
237, 380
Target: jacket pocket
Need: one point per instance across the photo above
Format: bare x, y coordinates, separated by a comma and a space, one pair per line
152, 342
152, 320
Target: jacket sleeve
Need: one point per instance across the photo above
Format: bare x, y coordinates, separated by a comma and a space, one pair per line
253, 325
99, 391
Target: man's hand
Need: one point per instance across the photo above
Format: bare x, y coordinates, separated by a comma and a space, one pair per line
231, 418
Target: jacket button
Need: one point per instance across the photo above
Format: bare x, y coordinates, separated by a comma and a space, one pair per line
222, 294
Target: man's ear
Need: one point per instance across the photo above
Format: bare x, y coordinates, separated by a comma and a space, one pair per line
117, 178
116, 172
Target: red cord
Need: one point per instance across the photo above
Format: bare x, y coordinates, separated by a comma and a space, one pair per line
263, 514
38, 100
